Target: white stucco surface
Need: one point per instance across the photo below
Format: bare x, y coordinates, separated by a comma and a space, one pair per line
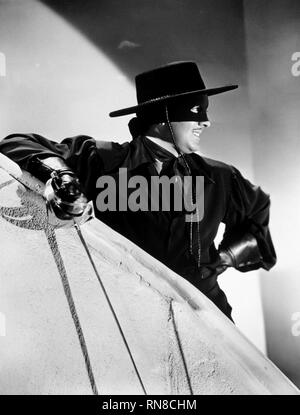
52, 303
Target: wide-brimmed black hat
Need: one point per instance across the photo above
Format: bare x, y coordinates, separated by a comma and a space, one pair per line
175, 80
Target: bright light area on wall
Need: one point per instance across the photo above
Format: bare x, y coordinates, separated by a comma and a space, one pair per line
57, 82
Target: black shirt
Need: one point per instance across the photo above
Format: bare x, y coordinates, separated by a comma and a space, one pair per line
228, 198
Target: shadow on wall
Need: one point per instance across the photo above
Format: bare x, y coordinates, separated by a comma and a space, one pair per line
139, 35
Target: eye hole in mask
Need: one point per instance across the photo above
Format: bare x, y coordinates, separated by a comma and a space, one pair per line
195, 109
198, 110
182, 109
191, 108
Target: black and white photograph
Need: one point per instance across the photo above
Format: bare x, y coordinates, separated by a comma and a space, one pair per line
149, 200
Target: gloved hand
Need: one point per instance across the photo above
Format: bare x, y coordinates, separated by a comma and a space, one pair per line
223, 261
64, 195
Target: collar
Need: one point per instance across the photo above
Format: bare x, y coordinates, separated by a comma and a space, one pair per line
164, 144
138, 155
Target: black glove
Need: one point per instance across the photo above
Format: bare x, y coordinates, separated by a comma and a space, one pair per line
243, 250
64, 194
222, 262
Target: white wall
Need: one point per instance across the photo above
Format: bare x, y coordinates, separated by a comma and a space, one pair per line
273, 36
57, 83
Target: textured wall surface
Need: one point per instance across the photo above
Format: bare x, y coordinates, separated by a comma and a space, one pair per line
60, 335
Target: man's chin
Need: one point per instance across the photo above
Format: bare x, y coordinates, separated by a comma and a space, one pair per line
191, 149
187, 151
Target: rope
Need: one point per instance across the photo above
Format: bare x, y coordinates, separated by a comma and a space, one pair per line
181, 349
193, 195
110, 305
68, 293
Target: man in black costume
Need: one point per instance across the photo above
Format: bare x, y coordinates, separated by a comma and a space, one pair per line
171, 114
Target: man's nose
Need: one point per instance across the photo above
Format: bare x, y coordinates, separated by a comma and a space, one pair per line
204, 124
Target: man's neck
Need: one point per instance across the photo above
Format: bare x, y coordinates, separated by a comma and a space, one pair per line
164, 144
167, 146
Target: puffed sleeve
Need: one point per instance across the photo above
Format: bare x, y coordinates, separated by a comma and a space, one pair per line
80, 154
247, 236
87, 157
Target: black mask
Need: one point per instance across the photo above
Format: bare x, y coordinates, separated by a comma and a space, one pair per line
189, 109
182, 109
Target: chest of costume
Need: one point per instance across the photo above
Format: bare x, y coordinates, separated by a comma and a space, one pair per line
130, 202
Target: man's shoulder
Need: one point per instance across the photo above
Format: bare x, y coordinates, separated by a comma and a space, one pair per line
218, 167
112, 153
225, 171
112, 146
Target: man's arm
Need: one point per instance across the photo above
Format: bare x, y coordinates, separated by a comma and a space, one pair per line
41, 156
23, 148
58, 164
247, 240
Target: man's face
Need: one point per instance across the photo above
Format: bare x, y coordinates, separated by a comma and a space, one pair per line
187, 134
188, 120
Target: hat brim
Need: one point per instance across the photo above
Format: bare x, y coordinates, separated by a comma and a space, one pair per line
135, 108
